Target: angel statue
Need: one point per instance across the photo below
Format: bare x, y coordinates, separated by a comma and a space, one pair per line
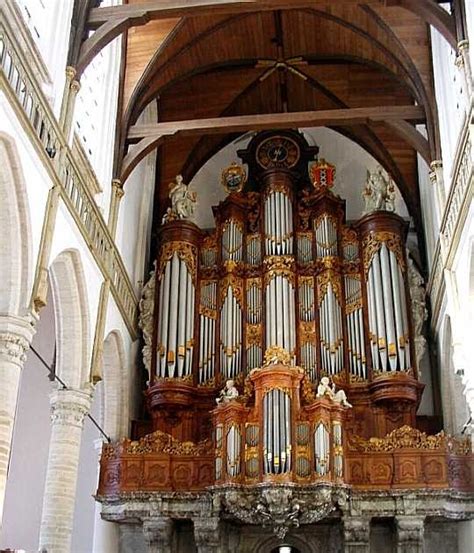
227, 393
379, 192
324, 389
183, 201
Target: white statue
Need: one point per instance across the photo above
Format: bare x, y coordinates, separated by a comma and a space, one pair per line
419, 313
183, 201
325, 389
228, 393
379, 192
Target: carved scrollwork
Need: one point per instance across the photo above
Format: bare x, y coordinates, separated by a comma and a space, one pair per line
404, 437
160, 442
186, 252
281, 508
275, 355
373, 242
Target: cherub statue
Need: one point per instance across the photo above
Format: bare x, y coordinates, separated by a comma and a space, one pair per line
325, 389
183, 201
379, 192
227, 393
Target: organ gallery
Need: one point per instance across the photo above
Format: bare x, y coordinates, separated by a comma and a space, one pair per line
281, 350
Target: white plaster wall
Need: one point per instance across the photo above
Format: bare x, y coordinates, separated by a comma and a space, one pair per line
429, 211
350, 159
451, 99
29, 457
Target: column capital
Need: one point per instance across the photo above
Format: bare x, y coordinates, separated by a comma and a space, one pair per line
70, 406
16, 334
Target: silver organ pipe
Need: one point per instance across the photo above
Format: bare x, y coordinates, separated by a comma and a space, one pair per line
325, 229
232, 241
321, 450
233, 445
330, 328
355, 326
277, 432
278, 224
208, 316
254, 252
230, 334
387, 307
176, 318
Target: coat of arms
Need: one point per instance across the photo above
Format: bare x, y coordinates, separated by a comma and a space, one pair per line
234, 178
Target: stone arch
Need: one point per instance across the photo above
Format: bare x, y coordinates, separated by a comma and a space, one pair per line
113, 398
15, 233
71, 311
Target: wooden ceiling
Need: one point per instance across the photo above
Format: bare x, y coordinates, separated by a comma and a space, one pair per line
331, 55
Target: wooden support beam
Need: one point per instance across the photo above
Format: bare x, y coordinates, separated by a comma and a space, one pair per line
110, 22
149, 137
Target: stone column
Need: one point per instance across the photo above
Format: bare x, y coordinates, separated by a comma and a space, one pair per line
410, 532
158, 535
68, 410
207, 534
15, 338
356, 534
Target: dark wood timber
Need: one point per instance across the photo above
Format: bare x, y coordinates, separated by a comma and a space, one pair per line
152, 135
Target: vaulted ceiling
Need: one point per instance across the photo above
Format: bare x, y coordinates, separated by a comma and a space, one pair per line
322, 55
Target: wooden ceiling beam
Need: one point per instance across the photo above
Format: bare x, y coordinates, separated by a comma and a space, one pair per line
149, 137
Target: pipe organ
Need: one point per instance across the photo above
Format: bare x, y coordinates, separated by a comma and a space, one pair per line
280, 353
282, 277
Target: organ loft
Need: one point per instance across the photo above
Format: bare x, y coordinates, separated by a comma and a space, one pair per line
281, 349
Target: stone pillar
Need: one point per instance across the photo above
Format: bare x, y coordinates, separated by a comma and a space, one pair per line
115, 197
16, 334
207, 534
68, 410
410, 532
158, 535
356, 534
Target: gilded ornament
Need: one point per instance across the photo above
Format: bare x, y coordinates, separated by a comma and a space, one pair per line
400, 438
373, 242
253, 334
186, 252
160, 442
323, 280
275, 355
236, 284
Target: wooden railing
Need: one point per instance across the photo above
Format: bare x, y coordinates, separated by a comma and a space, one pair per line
41, 125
